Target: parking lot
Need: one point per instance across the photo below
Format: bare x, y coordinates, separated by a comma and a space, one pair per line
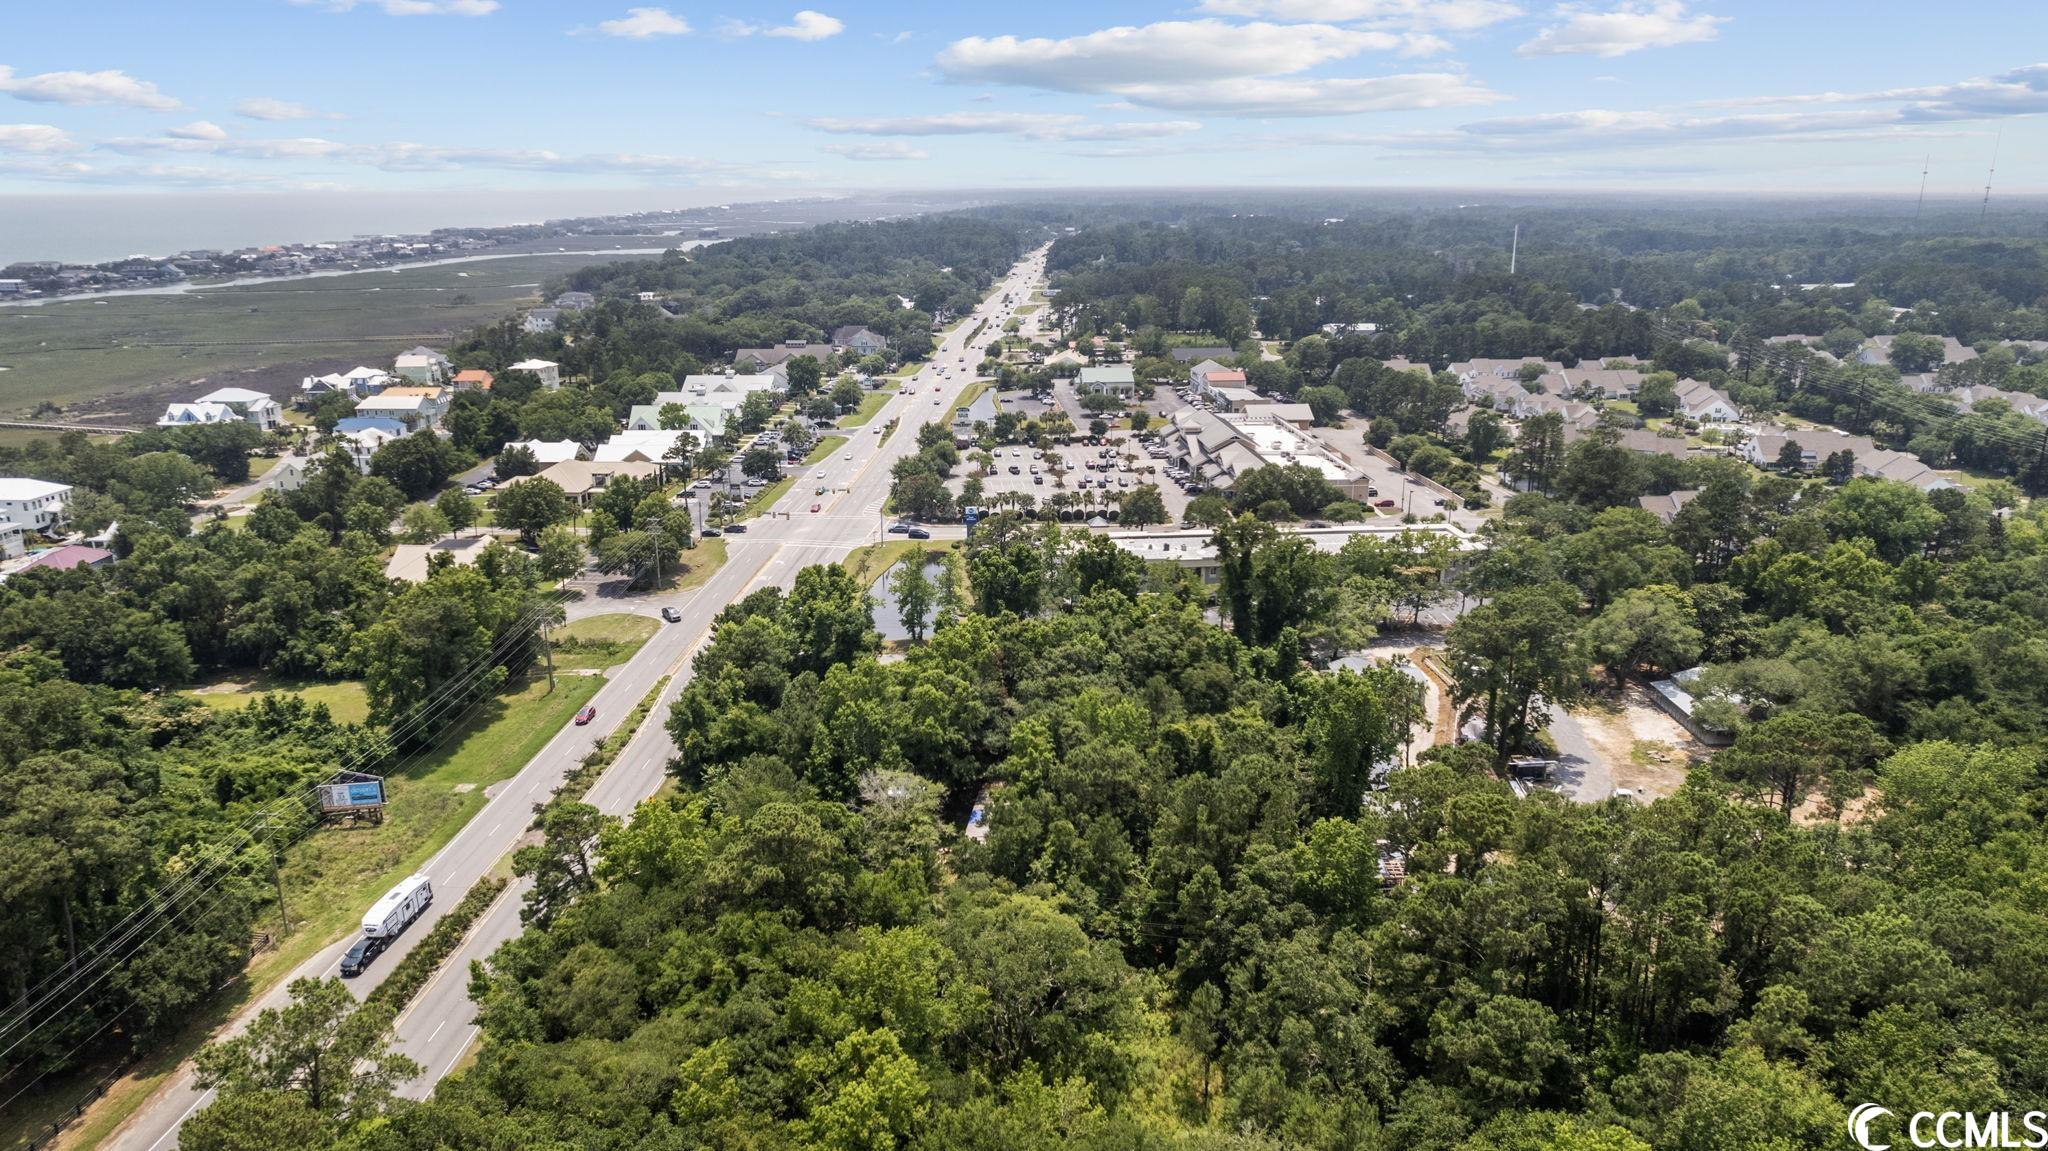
1078, 471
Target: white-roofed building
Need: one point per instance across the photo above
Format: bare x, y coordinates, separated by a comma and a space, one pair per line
252, 407
651, 447
1195, 548
548, 451
1110, 380
548, 371
725, 391
36, 505
421, 366
197, 415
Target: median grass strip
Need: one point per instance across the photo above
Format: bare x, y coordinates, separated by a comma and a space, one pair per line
412, 973
869, 405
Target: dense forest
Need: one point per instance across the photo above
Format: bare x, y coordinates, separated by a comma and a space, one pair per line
1181, 931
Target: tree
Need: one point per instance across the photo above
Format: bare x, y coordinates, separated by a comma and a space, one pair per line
456, 507
416, 464
561, 553
762, 463
1658, 394
846, 394
531, 506
323, 1047
1650, 626
1143, 507
922, 495
830, 619
1913, 353
805, 372
914, 595
1539, 453
755, 412
1789, 754
1356, 721
1324, 402
424, 524
517, 460
562, 865
1512, 655
1485, 432
1791, 457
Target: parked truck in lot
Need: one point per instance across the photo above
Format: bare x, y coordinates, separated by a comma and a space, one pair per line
398, 908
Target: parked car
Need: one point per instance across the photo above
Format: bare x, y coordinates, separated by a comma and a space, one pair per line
586, 715
672, 615
1383, 503
710, 533
919, 534
898, 529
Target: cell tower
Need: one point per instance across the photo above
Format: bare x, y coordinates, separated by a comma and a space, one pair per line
1925, 163
1985, 209
1514, 249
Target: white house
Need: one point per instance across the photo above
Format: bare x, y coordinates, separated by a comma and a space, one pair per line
1699, 401
540, 320
1113, 380
251, 407
549, 372
194, 415
548, 451
13, 541
363, 443
37, 505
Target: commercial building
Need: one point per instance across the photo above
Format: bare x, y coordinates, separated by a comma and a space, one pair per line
1195, 548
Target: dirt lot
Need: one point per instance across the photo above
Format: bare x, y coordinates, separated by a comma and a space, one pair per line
1646, 749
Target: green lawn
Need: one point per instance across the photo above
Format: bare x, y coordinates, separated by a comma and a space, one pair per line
869, 405
345, 700
332, 876
823, 449
698, 564
601, 641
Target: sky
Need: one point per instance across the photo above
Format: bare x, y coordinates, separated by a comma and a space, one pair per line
1800, 96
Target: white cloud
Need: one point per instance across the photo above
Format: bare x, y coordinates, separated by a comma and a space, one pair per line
1632, 27
41, 139
808, 25
1060, 126
112, 87
1215, 66
2020, 92
199, 130
266, 108
409, 7
805, 25
645, 23
879, 150
1166, 52
1448, 15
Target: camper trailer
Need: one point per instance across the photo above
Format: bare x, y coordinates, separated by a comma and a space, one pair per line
398, 908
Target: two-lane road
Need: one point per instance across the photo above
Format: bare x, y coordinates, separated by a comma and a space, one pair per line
438, 1027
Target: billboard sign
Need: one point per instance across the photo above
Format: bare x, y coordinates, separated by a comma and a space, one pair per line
352, 795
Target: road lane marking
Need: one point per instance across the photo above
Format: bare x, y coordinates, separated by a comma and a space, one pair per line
436, 1030
181, 1121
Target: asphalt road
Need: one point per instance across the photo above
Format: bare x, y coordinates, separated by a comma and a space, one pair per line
439, 1025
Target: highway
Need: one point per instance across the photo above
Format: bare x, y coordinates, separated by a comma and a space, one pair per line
437, 1028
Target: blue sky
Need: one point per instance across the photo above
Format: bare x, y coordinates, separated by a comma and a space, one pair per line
403, 95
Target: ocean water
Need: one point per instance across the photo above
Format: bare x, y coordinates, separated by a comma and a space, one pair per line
92, 228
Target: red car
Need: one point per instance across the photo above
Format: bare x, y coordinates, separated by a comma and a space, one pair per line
815, 507
1383, 503
586, 715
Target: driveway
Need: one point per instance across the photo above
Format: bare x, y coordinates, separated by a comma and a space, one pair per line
1581, 772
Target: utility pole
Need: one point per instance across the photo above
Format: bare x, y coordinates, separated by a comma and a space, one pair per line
1514, 249
284, 919
547, 652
